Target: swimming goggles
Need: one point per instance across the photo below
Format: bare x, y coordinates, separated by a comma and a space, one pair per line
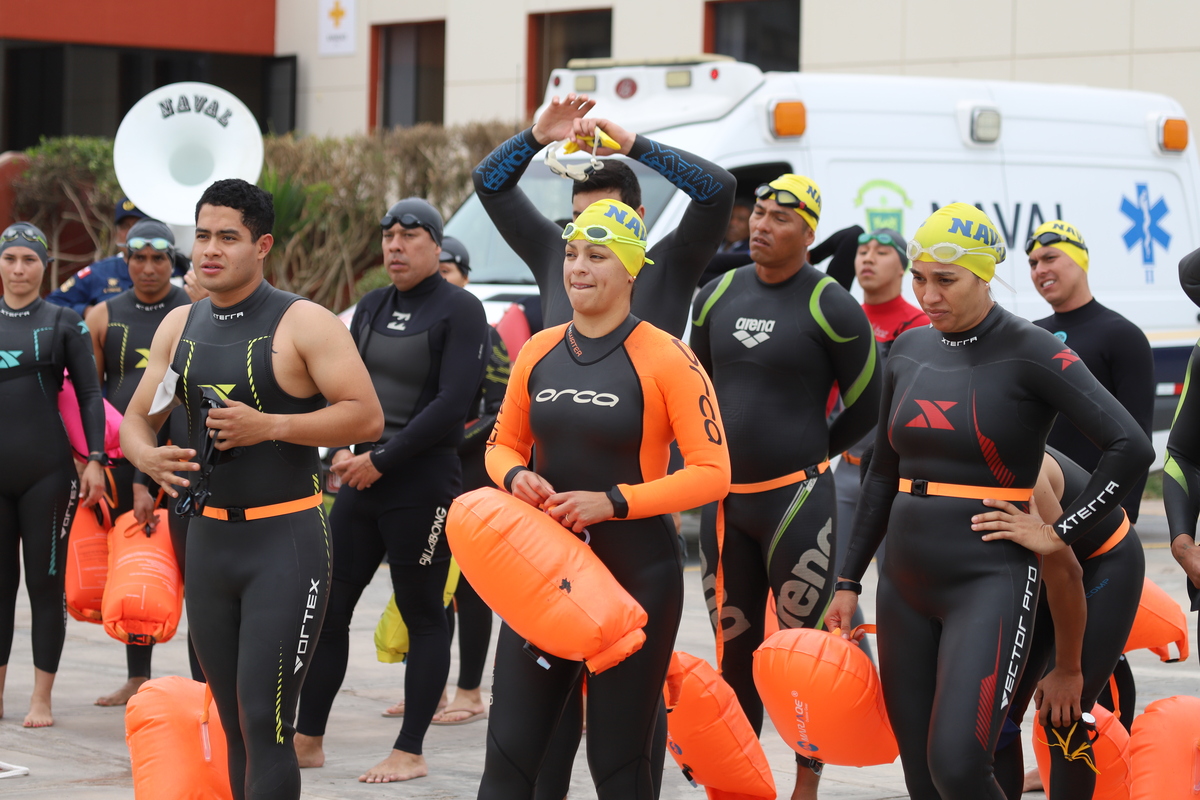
408, 221
158, 243
598, 234
1049, 238
574, 171
949, 252
12, 234
883, 238
195, 496
785, 198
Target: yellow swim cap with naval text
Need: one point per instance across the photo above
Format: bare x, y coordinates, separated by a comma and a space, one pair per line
966, 227
806, 191
1066, 238
616, 226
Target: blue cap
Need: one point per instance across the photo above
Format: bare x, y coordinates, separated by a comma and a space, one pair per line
126, 208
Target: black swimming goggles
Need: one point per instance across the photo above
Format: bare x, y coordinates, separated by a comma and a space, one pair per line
195, 497
785, 198
12, 234
1048, 238
407, 221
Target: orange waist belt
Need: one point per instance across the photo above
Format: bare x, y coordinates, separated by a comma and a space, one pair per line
926, 488
782, 480
850, 458
262, 512
1115, 539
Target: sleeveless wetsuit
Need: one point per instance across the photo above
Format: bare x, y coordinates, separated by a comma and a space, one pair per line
954, 612
131, 328
602, 414
664, 288
1113, 572
256, 588
888, 320
39, 487
424, 349
474, 616
775, 351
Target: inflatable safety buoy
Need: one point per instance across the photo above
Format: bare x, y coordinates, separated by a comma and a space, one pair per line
391, 634
68, 409
1109, 755
824, 697
1159, 622
87, 563
708, 734
176, 742
546, 584
1165, 750
143, 597
514, 330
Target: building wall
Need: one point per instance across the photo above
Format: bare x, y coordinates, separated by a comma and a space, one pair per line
485, 52
1149, 45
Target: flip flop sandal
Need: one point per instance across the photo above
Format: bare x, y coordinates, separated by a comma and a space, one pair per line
471, 718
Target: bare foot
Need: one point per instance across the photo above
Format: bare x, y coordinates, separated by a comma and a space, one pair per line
399, 766
1033, 782
310, 750
39, 715
121, 696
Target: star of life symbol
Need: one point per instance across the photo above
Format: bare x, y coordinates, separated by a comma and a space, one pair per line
751, 339
1145, 229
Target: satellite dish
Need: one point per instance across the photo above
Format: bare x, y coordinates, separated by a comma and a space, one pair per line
177, 140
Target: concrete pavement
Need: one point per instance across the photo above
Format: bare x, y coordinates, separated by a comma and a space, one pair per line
84, 757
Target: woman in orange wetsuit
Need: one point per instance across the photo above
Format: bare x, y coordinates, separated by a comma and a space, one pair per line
602, 398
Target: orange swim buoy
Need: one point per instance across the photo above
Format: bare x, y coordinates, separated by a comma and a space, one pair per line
1110, 755
176, 742
1165, 750
544, 582
1159, 622
143, 598
824, 697
87, 563
708, 734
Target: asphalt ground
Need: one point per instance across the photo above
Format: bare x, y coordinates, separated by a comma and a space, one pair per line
84, 756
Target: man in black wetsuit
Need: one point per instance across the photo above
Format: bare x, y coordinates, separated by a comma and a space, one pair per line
1113, 348
266, 378
423, 340
665, 287
775, 336
122, 330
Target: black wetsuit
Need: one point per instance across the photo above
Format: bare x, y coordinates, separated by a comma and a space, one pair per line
775, 351
1118, 354
664, 288
954, 612
474, 616
1181, 482
1112, 584
602, 413
256, 589
131, 328
424, 349
39, 487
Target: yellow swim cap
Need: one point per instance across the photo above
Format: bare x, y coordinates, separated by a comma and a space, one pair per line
616, 226
805, 190
1065, 237
968, 228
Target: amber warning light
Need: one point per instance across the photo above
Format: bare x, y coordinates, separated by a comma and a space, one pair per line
789, 118
1173, 134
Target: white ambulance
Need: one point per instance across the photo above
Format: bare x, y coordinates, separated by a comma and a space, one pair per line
888, 150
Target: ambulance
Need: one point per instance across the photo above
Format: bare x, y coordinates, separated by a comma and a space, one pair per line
887, 150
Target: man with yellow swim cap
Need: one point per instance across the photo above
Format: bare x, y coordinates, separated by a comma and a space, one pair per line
776, 336
1112, 347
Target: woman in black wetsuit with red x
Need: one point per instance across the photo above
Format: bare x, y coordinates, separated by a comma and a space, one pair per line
967, 405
